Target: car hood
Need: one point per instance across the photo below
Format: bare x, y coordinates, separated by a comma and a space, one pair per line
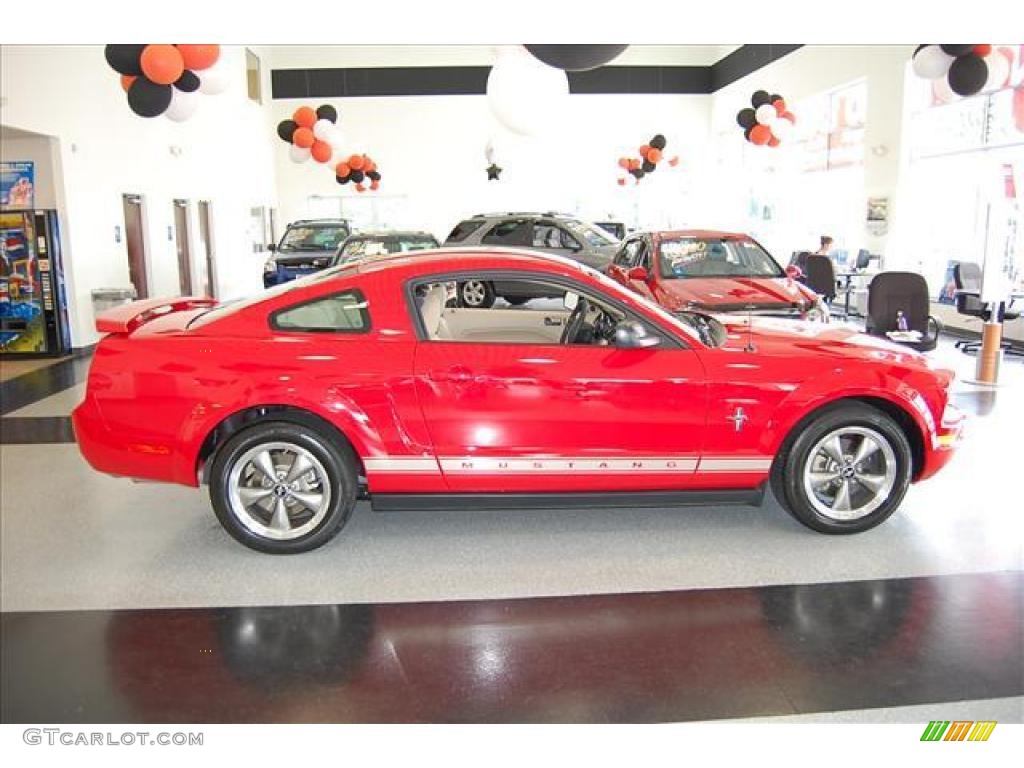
732, 294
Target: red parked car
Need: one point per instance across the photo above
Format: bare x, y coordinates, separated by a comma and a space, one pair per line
696, 269
366, 378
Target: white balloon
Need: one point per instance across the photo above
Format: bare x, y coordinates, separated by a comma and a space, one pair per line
525, 95
489, 151
322, 129
336, 139
931, 62
213, 80
183, 105
298, 154
942, 91
999, 63
766, 114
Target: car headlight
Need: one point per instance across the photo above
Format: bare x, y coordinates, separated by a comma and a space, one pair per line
270, 265
818, 313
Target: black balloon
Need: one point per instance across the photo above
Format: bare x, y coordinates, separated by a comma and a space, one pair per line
357, 176
637, 173
341, 179
956, 49
759, 98
919, 49
658, 142
373, 176
286, 129
746, 133
327, 112
774, 97
967, 75
188, 82
125, 59
746, 118
576, 58
648, 166
148, 99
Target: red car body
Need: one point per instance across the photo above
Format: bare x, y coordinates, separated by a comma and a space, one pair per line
445, 417
779, 296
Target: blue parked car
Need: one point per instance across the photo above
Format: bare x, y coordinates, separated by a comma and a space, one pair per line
307, 246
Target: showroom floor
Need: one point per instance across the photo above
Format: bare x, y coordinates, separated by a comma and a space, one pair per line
126, 602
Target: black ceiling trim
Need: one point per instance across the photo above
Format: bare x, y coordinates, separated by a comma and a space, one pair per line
472, 81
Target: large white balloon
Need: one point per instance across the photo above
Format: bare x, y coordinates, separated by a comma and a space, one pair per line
322, 129
183, 105
932, 62
213, 80
766, 114
298, 154
999, 62
525, 95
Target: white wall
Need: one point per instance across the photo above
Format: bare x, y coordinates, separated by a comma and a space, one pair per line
430, 152
69, 93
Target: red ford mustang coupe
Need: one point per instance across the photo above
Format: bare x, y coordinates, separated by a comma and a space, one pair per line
703, 270
367, 379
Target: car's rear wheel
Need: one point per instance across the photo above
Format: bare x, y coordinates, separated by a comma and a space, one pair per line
846, 471
516, 301
476, 294
283, 488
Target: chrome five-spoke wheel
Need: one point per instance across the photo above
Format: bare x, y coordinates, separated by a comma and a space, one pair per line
279, 490
850, 473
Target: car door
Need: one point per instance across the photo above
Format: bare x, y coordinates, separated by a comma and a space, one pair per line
529, 416
623, 260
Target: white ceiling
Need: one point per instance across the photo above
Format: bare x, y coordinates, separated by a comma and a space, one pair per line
329, 56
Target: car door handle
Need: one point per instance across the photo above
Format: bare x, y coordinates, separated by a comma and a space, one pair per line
552, 321
458, 374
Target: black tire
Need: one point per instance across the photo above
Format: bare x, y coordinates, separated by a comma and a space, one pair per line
476, 294
788, 478
339, 468
516, 301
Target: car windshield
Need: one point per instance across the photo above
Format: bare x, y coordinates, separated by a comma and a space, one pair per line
320, 238
685, 257
593, 236
362, 247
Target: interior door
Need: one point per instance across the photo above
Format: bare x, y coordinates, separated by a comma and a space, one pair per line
136, 245
181, 241
206, 242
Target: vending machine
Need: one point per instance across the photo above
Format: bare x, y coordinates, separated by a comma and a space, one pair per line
33, 302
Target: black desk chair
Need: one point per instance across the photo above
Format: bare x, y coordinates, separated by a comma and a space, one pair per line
821, 276
967, 279
906, 292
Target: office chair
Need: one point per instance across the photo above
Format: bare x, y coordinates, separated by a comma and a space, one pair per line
906, 292
863, 259
967, 277
820, 274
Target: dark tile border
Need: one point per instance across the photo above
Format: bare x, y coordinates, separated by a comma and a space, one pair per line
41, 383
35, 430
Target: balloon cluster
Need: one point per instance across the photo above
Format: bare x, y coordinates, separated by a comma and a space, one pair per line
167, 79
357, 169
651, 153
964, 69
311, 133
767, 121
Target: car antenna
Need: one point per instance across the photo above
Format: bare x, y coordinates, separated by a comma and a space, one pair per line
750, 329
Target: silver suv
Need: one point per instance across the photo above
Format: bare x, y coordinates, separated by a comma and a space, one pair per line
549, 232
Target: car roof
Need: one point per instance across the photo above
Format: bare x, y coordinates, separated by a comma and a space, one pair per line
469, 256
319, 223
391, 233
524, 214
666, 234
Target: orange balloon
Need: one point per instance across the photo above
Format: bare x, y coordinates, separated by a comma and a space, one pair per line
622, 182
356, 163
760, 134
774, 141
199, 56
374, 185
126, 82
304, 117
634, 164
780, 106
303, 137
162, 63
624, 162
789, 116
674, 161
360, 188
653, 155
370, 166
321, 151
342, 169
644, 149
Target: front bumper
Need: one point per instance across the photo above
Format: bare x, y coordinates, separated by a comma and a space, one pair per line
944, 441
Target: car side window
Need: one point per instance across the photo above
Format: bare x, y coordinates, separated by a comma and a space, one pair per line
643, 255
626, 257
463, 230
344, 312
568, 240
512, 232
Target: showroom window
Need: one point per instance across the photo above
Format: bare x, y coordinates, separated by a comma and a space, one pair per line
341, 313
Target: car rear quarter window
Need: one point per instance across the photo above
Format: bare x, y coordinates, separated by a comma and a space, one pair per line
345, 312
463, 230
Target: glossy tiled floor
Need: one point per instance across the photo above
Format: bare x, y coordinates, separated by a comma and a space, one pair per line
656, 614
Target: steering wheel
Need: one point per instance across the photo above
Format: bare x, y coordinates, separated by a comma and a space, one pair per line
575, 322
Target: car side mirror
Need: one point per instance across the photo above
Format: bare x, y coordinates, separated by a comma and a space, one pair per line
637, 273
630, 334
793, 272
271, 247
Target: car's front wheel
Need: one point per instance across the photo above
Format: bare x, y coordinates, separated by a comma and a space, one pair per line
476, 294
846, 471
283, 488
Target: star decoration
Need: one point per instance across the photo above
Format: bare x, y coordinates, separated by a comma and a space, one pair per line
493, 172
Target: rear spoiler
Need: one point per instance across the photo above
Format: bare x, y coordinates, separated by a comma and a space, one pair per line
128, 317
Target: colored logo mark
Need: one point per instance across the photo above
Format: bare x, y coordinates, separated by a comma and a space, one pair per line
958, 730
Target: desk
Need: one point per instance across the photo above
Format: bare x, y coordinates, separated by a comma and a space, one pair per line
848, 286
992, 335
